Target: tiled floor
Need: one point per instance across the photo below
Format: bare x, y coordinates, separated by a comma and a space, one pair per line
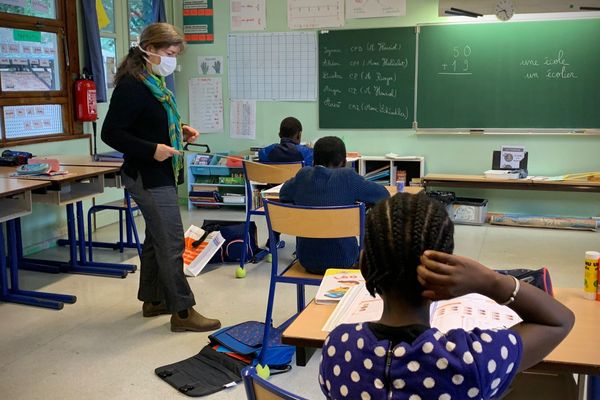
102, 348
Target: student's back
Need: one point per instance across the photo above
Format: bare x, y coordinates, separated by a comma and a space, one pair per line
322, 186
289, 148
406, 261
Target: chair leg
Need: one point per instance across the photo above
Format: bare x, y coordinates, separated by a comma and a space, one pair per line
268, 322
131, 224
246, 241
90, 245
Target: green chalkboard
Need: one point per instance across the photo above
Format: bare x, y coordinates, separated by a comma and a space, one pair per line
367, 78
542, 75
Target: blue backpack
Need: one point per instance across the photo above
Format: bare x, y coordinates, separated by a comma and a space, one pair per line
246, 339
233, 233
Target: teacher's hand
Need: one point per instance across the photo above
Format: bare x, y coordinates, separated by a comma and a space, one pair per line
163, 152
190, 134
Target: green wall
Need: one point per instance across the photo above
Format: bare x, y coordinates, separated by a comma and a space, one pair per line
548, 154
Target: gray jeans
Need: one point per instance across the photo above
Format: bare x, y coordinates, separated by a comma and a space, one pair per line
161, 270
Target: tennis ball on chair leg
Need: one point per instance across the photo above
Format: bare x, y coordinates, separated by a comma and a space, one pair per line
240, 272
269, 257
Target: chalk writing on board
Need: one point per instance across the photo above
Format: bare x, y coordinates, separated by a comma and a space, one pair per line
552, 67
366, 78
458, 62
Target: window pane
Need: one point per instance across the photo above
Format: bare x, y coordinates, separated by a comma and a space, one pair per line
32, 8
109, 55
106, 20
28, 121
28, 60
140, 15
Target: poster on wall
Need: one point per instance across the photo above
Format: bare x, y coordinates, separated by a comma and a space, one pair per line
313, 14
206, 104
210, 65
242, 119
198, 26
248, 15
375, 8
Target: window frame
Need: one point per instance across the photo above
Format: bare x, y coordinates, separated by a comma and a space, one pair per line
65, 28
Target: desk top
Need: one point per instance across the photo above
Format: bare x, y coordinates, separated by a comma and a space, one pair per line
75, 173
84, 160
9, 187
578, 353
480, 181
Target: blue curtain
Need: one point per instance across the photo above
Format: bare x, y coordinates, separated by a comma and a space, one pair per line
159, 15
93, 49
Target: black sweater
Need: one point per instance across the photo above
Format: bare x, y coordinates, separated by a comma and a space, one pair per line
135, 123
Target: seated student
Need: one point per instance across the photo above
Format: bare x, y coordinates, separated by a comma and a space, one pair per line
289, 148
406, 261
328, 183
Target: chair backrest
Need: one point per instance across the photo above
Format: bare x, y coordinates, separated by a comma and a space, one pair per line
271, 173
258, 388
316, 222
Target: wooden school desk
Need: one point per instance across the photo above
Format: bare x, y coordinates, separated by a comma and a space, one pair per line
110, 180
15, 202
79, 184
481, 182
579, 353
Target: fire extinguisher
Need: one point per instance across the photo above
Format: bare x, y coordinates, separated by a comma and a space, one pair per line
85, 99
85, 104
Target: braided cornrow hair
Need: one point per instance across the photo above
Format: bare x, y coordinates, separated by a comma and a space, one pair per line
397, 232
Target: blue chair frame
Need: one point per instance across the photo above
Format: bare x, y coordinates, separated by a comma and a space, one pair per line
130, 227
252, 210
251, 379
303, 279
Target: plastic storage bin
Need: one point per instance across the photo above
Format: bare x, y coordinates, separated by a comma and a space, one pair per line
469, 211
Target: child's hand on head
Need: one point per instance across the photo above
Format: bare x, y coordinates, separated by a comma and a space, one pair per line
445, 276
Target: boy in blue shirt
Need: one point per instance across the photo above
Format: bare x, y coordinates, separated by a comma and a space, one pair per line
328, 183
289, 148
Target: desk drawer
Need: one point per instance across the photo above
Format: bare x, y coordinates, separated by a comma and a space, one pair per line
15, 206
71, 192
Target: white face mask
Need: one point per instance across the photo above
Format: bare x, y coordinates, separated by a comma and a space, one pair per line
166, 66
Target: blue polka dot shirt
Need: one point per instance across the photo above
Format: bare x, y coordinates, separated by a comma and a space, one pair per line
477, 364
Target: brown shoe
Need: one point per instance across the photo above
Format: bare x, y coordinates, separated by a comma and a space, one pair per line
151, 310
195, 322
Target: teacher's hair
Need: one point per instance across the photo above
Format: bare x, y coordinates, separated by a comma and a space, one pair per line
160, 36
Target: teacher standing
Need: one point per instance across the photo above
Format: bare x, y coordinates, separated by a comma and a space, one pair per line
143, 123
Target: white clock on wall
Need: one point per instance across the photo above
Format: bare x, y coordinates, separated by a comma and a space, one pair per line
505, 9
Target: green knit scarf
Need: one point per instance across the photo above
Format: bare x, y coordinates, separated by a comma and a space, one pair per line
159, 89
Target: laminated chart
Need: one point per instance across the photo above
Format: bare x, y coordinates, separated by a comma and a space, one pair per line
273, 66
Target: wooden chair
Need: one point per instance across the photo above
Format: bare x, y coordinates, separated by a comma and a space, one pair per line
258, 388
309, 222
265, 173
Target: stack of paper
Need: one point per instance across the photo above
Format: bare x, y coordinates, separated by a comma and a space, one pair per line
466, 312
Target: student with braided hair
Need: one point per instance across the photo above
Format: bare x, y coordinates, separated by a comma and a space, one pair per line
407, 260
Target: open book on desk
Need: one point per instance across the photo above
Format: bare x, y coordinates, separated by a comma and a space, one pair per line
336, 283
271, 193
465, 312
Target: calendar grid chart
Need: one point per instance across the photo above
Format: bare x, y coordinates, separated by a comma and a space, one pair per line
273, 66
